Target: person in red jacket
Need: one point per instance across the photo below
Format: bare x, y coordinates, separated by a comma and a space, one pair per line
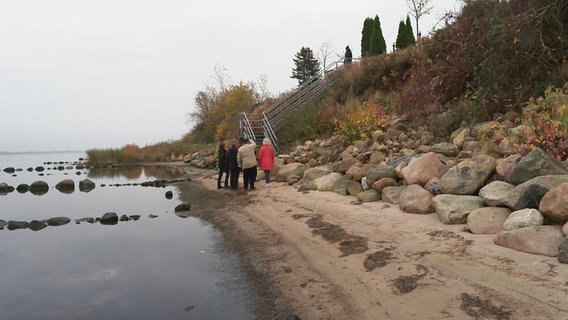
266, 160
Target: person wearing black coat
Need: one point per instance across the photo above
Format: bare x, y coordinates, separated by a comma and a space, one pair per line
232, 165
223, 166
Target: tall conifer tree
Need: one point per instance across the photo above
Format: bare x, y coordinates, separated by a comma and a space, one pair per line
410, 32
378, 44
401, 36
366, 36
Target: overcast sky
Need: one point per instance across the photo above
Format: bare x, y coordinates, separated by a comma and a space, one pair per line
82, 74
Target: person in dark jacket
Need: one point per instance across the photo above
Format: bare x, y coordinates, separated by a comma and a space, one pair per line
222, 164
232, 165
348, 56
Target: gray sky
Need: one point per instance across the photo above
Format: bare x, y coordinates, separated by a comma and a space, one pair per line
81, 74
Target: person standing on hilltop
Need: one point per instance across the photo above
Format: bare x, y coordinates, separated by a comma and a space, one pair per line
246, 159
348, 56
266, 160
232, 165
222, 164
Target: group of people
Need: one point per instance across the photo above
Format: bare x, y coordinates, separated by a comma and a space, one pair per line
237, 159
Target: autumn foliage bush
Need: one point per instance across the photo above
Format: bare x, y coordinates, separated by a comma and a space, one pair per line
360, 121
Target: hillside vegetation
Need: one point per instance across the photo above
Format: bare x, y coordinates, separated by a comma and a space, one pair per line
493, 59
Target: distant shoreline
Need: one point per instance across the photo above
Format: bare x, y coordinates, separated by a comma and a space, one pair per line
40, 152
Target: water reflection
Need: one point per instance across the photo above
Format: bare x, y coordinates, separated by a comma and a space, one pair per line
134, 172
109, 218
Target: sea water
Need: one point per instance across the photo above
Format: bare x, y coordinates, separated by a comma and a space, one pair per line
161, 266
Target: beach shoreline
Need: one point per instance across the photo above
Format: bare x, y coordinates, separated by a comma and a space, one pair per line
320, 255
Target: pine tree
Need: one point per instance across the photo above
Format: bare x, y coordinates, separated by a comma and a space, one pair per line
306, 65
378, 44
410, 33
401, 35
366, 36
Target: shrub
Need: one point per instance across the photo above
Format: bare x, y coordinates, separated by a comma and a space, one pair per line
360, 121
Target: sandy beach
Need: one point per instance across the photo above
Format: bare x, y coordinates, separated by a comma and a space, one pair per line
320, 255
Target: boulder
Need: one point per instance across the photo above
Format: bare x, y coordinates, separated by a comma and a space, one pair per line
506, 166
86, 185
9, 170
182, 207
58, 221
340, 186
523, 218
454, 209
353, 187
495, 193
422, 169
445, 148
434, 186
563, 251
347, 162
287, 170
327, 182
21, 188
65, 186
370, 195
3, 188
467, 177
537, 163
487, 220
382, 183
415, 199
540, 240
312, 174
14, 225
39, 188
379, 172
36, 225
392, 194
528, 194
554, 204
109, 218
358, 171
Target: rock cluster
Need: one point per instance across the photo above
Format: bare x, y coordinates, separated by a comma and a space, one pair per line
468, 180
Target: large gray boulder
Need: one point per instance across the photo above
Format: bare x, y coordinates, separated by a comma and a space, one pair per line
523, 218
495, 192
327, 182
312, 174
537, 163
540, 240
446, 148
295, 168
340, 186
454, 209
468, 176
528, 194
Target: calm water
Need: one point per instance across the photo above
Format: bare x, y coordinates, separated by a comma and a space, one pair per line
166, 267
